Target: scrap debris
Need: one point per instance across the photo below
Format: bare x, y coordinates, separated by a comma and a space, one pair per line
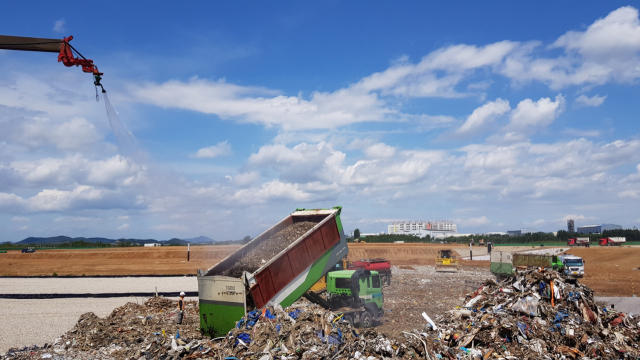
533, 315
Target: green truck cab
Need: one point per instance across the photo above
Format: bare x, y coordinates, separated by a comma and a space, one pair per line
356, 294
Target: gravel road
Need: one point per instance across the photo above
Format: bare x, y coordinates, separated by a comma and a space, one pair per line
96, 285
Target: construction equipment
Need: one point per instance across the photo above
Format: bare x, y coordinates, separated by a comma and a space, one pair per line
446, 261
612, 241
354, 294
29, 250
66, 53
321, 285
283, 279
581, 241
382, 266
481, 242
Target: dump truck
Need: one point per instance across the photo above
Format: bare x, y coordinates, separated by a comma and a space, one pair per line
282, 279
446, 261
612, 241
382, 266
573, 265
356, 295
581, 241
504, 263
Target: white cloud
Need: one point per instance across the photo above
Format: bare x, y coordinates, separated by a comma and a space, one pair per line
124, 217
221, 149
272, 190
593, 101
123, 227
582, 133
19, 218
484, 114
73, 219
59, 26
380, 150
530, 115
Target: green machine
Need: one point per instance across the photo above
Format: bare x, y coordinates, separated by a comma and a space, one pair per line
356, 294
282, 279
503, 263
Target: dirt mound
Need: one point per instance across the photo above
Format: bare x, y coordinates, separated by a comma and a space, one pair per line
269, 248
399, 254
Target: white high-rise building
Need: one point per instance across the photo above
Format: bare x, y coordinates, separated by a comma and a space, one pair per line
422, 227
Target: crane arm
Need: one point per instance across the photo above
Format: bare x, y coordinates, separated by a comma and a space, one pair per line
61, 46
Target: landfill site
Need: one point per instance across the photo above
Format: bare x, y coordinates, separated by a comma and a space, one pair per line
299, 291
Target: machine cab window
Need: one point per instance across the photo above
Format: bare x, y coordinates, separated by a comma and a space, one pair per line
376, 281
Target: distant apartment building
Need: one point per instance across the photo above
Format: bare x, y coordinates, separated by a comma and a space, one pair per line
597, 229
422, 227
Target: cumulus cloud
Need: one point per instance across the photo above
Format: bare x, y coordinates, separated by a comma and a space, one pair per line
379, 150
123, 227
530, 115
484, 114
593, 101
221, 149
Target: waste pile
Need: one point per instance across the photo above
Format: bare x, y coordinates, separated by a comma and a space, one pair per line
534, 315
269, 248
131, 331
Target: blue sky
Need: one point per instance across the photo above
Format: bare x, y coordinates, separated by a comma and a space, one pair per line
495, 115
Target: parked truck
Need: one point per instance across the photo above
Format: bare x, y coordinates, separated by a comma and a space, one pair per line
505, 263
573, 265
285, 277
612, 241
382, 266
581, 241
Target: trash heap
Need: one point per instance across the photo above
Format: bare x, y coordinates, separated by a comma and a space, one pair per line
534, 315
131, 331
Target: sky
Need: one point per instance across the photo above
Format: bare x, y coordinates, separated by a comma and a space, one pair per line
496, 115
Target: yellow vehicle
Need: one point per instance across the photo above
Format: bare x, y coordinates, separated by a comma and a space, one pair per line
321, 285
446, 261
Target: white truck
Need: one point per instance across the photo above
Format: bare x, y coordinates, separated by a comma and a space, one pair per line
573, 265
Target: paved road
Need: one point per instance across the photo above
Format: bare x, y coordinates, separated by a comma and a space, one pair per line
97, 285
623, 304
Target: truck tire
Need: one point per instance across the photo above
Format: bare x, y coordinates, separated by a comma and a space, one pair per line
348, 319
365, 320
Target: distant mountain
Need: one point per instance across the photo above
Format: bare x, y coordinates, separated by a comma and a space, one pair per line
200, 239
62, 239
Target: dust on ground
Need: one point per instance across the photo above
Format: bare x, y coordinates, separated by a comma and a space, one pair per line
269, 248
424, 290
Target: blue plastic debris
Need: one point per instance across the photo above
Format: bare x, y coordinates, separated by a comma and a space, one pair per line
294, 314
245, 339
278, 327
269, 315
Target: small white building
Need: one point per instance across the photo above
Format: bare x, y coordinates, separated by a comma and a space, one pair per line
152, 244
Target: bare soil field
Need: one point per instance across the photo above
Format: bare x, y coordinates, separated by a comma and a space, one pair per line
609, 270
166, 260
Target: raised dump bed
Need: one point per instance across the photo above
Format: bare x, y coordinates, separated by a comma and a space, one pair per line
282, 278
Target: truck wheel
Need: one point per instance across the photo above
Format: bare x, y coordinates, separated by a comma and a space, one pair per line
348, 319
365, 320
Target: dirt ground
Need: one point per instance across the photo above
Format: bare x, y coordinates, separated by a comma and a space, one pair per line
113, 261
419, 288
609, 270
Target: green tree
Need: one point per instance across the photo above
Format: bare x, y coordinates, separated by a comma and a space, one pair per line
356, 234
246, 239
